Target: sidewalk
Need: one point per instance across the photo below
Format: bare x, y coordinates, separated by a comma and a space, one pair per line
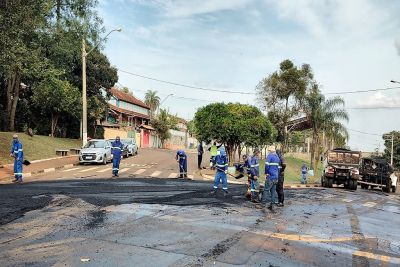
40, 166
208, 174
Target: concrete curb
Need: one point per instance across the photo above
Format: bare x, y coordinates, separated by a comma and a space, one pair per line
40, 160
293, 186
48, 170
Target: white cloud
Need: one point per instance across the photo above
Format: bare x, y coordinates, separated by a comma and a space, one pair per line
397, 45
184, 8
380, 99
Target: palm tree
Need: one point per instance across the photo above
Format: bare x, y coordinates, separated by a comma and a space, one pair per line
152, 100
326, 116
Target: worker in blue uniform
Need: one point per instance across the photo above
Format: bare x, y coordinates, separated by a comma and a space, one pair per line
220, 162
254, 175
18, 154
272, 168
181, 158
116, 150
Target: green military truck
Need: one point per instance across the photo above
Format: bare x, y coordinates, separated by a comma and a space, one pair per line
341, 167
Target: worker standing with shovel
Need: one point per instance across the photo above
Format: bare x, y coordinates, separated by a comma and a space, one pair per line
181, 158
220, 162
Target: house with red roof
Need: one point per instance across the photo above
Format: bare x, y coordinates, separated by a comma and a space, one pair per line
127, 117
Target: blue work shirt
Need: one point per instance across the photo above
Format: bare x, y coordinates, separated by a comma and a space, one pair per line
254, 166
116, 149
17, 151
180, 155
221, 162
272, 164
304, 169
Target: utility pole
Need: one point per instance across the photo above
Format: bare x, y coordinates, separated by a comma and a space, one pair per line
84, 101
391, 156
84, 94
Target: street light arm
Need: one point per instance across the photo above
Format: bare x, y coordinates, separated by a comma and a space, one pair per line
393, 81
165, 99
102, 39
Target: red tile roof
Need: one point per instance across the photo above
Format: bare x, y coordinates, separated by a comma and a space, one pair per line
128, 112
127, 98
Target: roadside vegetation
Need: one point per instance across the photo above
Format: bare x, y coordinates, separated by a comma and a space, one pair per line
36, 147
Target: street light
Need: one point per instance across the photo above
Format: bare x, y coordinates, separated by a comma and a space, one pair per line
393, 81
84, 100
163, 102
390, 138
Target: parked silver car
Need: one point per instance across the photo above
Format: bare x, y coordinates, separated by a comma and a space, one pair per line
132, 147
96, 151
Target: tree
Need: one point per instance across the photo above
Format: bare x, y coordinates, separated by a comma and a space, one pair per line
152, 100
326, 115
56, 97
42, 39
281, 94
162, 123
191, 128
20, 50
387, 137
233, 125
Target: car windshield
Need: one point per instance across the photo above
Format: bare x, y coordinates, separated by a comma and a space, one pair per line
126, 141
95, 144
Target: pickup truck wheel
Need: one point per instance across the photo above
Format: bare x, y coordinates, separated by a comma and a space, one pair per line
388, 186
322, 181
329, 182
353, 185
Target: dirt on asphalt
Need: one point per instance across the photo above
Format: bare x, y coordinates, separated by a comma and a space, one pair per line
16, 200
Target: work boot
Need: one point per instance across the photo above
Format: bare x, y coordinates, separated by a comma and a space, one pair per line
213, 192
280, 204
270, 207
15, 180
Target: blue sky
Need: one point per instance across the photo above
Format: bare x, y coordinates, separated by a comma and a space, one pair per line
233, 44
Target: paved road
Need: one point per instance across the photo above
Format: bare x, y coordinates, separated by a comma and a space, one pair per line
170, 222
148, 163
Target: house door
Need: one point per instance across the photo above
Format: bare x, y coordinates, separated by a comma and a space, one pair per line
146, 138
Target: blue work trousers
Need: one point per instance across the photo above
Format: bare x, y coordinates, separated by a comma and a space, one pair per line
303, 178
254, 188
115, 168
18, 169
183, 168
220, 176
270, 191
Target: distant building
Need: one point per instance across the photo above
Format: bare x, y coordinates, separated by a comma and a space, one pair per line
127, 116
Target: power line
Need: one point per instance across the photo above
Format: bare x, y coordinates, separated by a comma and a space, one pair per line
210, 101
242, 92
364, 91
366, 108
363, 132
246, 93
187, 86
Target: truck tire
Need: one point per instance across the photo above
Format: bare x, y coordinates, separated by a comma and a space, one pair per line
329, 182
364, 186
388, 186
353, 185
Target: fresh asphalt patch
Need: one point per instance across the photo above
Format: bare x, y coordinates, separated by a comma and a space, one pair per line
16, 200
